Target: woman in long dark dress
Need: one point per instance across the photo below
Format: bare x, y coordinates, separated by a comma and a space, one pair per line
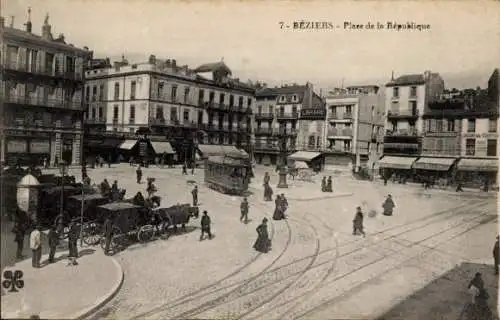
263, 243
278, 210
388, 206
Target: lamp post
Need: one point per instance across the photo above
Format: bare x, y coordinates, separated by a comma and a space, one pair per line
283, 158
62, 170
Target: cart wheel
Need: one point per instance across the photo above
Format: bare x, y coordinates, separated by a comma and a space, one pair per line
117, 241
91, 234
145, 233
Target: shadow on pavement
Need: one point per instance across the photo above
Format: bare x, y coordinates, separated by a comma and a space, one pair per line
446, 296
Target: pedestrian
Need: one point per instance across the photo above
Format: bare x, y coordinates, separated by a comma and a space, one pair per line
45, 163
151, 189
184, 169
459, 186
385, 177
114, 186
495, 256
388, 206
19, 231
72, 243
323, 184
36, 246
108, 233
195, 196
329, 187
244, 210
267, 178
138, 174
53, 243
109, 161
358, 222
478, 308
263, 243
205, 225
193, 164
268, 192
284, 205
278, 213
131, 161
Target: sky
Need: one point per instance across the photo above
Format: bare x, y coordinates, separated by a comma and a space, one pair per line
462, 44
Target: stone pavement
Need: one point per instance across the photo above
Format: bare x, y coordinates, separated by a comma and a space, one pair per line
58, 291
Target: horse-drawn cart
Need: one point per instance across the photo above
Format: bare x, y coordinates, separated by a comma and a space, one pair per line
92, 222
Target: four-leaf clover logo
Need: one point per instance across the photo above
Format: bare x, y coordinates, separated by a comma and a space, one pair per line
13, 280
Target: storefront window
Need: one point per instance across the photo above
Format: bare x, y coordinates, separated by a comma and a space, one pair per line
470, 147
471, 125
491, 150
492, 125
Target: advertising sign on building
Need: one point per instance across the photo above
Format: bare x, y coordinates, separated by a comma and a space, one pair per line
17, 146
489, 135
317, 114
40, 146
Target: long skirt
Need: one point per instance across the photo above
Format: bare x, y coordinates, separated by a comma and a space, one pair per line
278, 214
262, 244
387, 212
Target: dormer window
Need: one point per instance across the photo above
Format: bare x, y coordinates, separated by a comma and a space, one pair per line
294, 98
282, 98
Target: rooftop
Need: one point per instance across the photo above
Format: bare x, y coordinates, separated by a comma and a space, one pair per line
407, 79
276, 91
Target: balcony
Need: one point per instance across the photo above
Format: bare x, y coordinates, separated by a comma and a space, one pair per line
338, 149
336, 116
263, 131
287, 115
402, 114
345, 133
95, 121
441, 134
285, 132
38, 70
42, 102
402, 132
264, 116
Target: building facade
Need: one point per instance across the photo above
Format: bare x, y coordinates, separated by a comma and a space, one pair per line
184, 106
354, 134
41, 90
277, 114
407, 98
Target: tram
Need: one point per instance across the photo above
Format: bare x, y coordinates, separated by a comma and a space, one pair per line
228, 174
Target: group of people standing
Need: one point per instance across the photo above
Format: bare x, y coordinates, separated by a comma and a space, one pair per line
326, 185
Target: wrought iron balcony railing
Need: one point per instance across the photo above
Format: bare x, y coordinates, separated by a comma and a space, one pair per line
402, 113
264, 116
36, 100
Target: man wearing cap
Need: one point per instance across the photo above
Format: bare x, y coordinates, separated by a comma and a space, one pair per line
244, 210
205, 225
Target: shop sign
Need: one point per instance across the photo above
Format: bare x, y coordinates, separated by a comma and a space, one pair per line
40, 146
143, 148
17, 146
487, 135
313, 113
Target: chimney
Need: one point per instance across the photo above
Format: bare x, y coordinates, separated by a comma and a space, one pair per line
427, 75
392, 75
174, 63
152, 59
168, 62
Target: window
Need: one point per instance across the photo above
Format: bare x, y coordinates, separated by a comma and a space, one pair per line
159, 112
115, 113
312, 140
271, 109
231, 100
101, 113
249, 102
394, 126
159, 93
439, 125
471, 125
348, 110
94, 93
211, 96
221, 98
470, 147
282, 98
117, 91
294, 98
133, 88
200, 117
259, 109
49, 61
282, 110
87, 93
173, 93
451, 125
240, 102
492, 125
186, 95
413, 92
101, 92
70, 64
294, 110
439, 145
201, 95
93, 113
373, 111
131, 130
491, 150
413, 108
333, 110
395, 92
185, 115
132, 114
173, 114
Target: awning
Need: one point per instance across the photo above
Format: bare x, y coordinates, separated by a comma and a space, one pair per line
396, 162
128, 144
161, 147
304, 156
102, 143
436, 164
483, 165
227, 161
300, 165
208, 150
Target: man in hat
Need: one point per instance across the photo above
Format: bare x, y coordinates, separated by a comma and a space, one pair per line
495, 255
19, 231
138, 174
72, 243
36, 246
53, 243
358, 223
108, 233
205, 225
244, 210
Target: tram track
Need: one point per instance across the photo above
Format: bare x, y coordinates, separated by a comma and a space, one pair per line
469, 225
192, 296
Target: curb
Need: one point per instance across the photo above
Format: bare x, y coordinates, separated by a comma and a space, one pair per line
106, 298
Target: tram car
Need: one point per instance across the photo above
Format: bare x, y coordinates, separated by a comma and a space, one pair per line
228, 174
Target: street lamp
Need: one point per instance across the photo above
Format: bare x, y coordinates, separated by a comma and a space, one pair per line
283, 157
63, 170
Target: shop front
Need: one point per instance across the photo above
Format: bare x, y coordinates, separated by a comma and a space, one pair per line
313, 159
435, 168
477, 173
396, 167
27, 147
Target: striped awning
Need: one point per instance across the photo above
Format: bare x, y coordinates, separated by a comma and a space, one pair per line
396, 162
162, 147
482, 165
128, 144
304, 156
435, 164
